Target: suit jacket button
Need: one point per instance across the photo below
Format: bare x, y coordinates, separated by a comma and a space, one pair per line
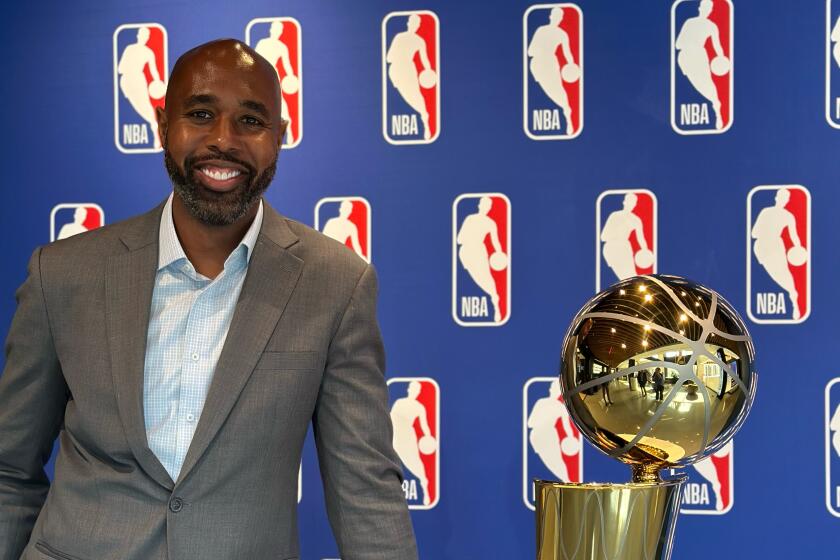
176, 505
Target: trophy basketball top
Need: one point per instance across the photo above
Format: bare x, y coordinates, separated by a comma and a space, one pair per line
657, 372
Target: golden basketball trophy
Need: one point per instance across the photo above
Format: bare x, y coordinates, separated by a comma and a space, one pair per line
696, 356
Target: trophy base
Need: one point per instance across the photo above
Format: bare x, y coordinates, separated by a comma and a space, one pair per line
606, 521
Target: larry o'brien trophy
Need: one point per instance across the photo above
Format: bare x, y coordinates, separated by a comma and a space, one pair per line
696, 356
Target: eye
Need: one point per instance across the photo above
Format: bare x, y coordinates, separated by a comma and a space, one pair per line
252, 121
200, 115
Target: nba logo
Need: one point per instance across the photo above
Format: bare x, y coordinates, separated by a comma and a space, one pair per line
411, 77
415, 415
69, 219
552, 447
625, 235
141, 72
710, 488
347, 220
832, 63
832, 447
552, 78
481, 260
277, 39
702, 66
779, 254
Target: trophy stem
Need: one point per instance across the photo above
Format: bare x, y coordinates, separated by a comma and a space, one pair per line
606, 521
646, 473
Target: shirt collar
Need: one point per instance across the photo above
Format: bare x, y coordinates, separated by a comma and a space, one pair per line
170, 247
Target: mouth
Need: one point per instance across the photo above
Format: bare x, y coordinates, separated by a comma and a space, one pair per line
220, 176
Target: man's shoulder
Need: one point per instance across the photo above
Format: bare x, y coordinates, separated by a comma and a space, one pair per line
103, 241
323, 253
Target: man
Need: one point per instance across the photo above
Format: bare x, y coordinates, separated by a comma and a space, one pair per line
658, 383
75, 227
544, 66
543, 436
617, 250
769, 248
132, 69
693, 58
473, 252
402, 70
405, 412
341, 228
275, 51
215, 329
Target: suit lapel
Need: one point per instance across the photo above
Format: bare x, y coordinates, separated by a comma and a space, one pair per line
272, 275
129, 282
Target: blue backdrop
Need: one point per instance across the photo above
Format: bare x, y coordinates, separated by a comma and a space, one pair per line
59, 94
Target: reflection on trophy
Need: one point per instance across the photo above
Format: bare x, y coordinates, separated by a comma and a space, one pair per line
696, 356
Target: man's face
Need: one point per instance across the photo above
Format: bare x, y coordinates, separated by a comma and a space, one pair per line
221, 132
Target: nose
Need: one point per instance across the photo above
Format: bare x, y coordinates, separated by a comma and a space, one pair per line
223, 136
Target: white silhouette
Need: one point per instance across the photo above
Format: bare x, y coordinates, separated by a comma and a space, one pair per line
404, 413
403, 73
341, 228
835, 38
616, 233
693, 59
133, 61
76, 226
473, 253
834, 426
544, 65
274, 50
769, 246
707, 470
543, 436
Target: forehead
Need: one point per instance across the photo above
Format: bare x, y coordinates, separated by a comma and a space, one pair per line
230, 75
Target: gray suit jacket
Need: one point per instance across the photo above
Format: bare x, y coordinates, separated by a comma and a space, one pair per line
303, 346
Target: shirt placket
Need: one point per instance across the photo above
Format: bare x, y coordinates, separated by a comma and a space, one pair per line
193, 368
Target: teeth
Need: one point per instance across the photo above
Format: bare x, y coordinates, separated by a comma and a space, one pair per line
221, 175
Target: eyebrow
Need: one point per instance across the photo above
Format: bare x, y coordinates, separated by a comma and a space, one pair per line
255, 106
200, 99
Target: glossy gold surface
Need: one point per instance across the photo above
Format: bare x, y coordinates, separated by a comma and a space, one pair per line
606, 521
658, 324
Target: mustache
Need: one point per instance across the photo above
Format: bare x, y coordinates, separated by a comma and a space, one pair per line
190, 162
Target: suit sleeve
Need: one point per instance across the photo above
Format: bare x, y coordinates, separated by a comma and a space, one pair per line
33, 396
360, 470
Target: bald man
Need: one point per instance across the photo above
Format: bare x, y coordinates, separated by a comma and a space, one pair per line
179, 357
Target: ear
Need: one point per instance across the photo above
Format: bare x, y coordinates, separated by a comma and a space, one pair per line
163, 124
281, 132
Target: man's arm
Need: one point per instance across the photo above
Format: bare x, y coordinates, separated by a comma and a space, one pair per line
639, 228
790, 224
360, 470
33, 396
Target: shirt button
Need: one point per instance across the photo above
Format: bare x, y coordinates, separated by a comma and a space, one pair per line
176, 505
195, 357
190, 417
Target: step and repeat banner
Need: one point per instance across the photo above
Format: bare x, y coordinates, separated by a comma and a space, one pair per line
499, 163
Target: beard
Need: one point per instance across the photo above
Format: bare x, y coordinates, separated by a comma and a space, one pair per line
211, 207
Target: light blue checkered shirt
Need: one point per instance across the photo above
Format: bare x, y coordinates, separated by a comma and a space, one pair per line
188, 324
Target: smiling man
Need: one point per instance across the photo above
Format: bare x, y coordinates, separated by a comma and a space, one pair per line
215, 331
